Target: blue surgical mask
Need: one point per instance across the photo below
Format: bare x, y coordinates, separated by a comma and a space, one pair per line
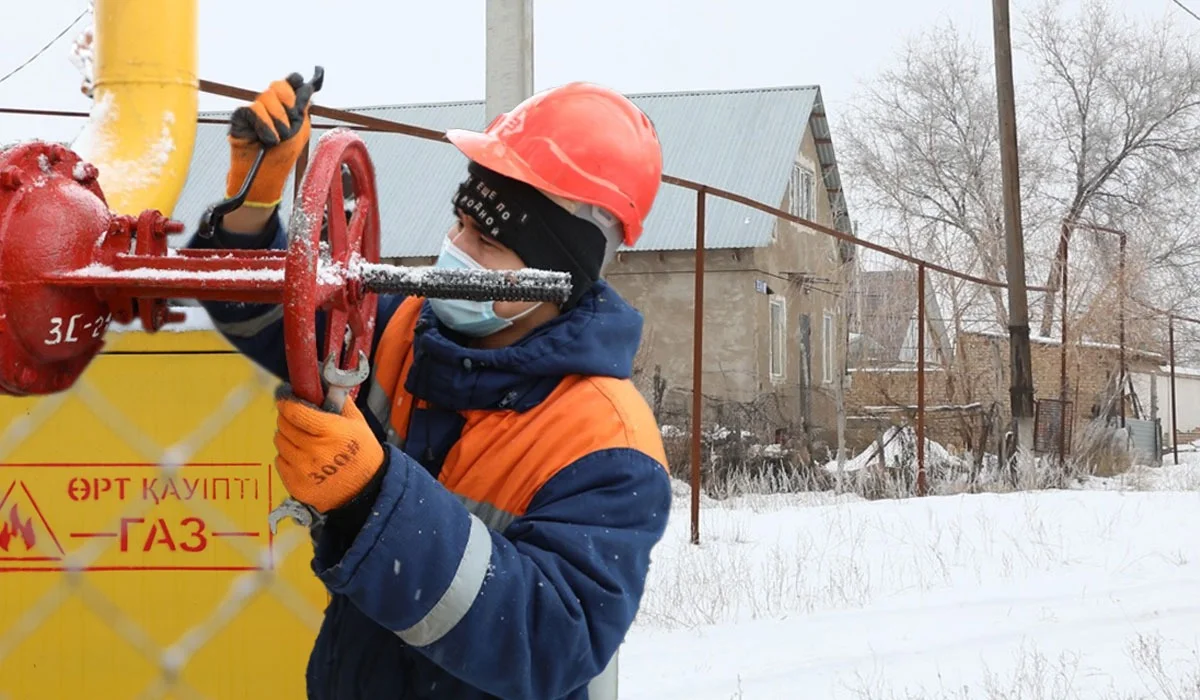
474, 318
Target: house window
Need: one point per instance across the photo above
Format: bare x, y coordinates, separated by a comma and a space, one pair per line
778, 337
828, 348
800, 192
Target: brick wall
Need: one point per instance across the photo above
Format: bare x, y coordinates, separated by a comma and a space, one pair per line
980, 376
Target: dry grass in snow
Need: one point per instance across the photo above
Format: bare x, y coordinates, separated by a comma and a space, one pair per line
1090, 592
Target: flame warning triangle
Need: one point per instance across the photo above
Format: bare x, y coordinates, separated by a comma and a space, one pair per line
24, 533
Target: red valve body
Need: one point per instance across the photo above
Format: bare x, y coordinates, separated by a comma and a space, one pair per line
69, 267
52, 217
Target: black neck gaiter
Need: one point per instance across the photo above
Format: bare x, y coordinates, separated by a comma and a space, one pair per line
543, 234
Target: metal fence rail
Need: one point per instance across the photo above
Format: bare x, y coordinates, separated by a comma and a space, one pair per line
702, 191
167, 509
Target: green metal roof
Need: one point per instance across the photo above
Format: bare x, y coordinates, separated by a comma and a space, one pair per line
744, 141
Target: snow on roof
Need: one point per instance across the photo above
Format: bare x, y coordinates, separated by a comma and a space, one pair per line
1042, 340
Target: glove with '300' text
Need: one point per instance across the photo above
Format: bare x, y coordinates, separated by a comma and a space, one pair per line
324, 459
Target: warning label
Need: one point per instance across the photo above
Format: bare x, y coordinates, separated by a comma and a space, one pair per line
24, 533
130, 517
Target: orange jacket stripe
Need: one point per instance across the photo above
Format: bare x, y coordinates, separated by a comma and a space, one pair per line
393, 359
505, 456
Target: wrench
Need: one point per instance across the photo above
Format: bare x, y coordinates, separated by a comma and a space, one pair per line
214, 214
339, 382
304, 515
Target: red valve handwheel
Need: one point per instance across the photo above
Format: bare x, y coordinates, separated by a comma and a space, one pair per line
69, 267
312, 284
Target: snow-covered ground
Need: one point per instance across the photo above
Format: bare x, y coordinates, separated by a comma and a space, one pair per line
1089, 593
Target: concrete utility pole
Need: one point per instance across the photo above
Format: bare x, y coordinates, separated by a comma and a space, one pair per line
509, 54
1021, 389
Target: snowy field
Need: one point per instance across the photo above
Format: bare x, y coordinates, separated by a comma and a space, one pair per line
1089, 593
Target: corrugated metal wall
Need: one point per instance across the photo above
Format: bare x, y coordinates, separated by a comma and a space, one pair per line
1146, 436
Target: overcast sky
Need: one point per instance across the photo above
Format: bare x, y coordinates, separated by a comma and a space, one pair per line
386, 51
395, 51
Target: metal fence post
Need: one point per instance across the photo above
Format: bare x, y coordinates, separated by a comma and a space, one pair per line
1174, 410
697, 365
921, 482
1062, 360
1121, 312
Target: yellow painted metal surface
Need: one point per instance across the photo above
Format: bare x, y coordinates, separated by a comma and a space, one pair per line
124, 578
135, 559
142, 127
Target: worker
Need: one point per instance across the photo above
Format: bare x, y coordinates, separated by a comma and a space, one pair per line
490, 501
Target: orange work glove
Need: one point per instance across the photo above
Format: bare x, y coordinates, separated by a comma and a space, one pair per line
324, 459
278, 119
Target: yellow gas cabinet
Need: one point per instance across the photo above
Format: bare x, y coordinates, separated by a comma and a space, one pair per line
135, 557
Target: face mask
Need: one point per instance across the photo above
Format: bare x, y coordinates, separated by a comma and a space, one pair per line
474, 318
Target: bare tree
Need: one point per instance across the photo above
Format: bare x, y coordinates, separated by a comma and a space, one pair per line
1120, 118
922, 150
1109, 135
1109, 127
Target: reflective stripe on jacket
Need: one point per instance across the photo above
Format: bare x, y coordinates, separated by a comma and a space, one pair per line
506, 552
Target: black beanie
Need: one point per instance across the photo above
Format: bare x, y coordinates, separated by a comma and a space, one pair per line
523, 219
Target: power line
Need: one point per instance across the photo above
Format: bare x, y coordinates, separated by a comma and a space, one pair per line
1186, 9
45, 48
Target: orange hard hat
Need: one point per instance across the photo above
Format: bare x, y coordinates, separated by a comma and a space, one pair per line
580, 141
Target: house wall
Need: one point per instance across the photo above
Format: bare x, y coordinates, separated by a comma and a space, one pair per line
662, 287
1187, 400
737, 340
1090, 368
737, 322
952, 417
981, 375
803, 266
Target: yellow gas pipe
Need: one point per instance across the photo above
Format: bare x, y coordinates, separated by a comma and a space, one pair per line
142, 127
141, 135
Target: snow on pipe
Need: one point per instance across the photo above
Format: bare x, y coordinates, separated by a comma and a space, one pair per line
142, 127
477, 285
69, 266
83, 231
262, 278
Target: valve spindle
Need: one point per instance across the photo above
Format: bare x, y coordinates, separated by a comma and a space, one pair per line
69, 267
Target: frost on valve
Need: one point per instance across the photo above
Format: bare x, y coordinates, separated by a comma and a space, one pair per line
52, 218
69, 267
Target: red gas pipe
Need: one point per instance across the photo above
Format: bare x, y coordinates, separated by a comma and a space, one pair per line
69, 267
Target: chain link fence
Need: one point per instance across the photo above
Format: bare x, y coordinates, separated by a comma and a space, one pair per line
149, 572
134, 546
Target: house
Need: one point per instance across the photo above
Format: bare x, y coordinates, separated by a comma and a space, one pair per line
1154, 386
772, 288
967, 365
883, 320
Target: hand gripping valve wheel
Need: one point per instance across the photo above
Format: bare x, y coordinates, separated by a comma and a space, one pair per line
341, 384
69, 267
